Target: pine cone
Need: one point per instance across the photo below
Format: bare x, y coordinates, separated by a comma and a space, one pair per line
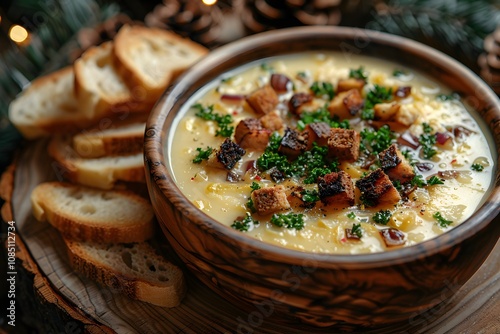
490, 60
188, 18
100, 33
260, 15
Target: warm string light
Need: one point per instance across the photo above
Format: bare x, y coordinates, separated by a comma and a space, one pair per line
18, 34
209, 2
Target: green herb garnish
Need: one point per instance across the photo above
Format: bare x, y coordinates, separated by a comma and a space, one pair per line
441, 220
288, 220
434, 180
358, 74
255, 186
310, 196
382, 217
202, 154
357, 230
376, 141
320, 89
377, 94
418, 180
351, 215
398, 73
397, 185
427, 140
266, 67
321, 115
245, 223
477, 167
208, 114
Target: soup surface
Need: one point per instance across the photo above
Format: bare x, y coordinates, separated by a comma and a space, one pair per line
325, 153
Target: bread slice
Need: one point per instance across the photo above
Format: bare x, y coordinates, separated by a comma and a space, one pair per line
48, 106
152, 58
132, 269
99, 87
101, 172
123, 139
84, 213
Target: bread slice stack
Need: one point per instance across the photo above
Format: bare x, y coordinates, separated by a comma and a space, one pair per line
95, 113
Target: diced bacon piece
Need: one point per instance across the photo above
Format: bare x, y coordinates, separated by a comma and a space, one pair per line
394, 164
352, 83
263, 100
316, 133
336, 189
298, 101
386, 111
226, 156
272, 122
280, 83
376, 188
346, 104
343, 144
270, 200
392, 237
250, 134
292, 144
402, 92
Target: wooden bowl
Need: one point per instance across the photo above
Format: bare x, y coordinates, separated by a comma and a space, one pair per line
350, 292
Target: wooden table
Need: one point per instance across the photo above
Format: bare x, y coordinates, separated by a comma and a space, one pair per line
55, 299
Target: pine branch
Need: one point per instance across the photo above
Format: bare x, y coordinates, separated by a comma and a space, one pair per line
456, 27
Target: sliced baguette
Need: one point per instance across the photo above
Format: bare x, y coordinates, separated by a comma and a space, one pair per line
99, 87
89, 214
123, 139
152, 58
48, 106
132, 269
101, 173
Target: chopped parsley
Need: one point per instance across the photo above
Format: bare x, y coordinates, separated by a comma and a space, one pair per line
351, 215
250, 205
382, 217
397, 185
244, 224
288, 220
266, 67
398, 73
255, 186
477, 167
321, 115
376, 141
434, 180
310, 196
357, 230
427, 140
302, 75
208, 114
418, 180
202, 154
321, 88
441, 220
377, 94
358, 74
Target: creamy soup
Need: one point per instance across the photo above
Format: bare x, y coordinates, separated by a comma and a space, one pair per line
325, 153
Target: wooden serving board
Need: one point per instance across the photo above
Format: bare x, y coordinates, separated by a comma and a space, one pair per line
473, 309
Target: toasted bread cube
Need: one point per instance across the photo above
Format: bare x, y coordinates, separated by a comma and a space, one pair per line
316, 133
299, 101
352, 83
263, 100
272, 122
343, 144
346, 104
250, 134
226, 156
386, 111
394, 164
336, 189
292, 144
376, 188
270, 200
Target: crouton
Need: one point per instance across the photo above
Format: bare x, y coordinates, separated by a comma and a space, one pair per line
270, 200
346, 104
272, 122
263, 100
298, 102
386, 111
226, 156
292, 144
250, 134
316, 133
394, 164
343, 144
376, 188
336, 189
345, 85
